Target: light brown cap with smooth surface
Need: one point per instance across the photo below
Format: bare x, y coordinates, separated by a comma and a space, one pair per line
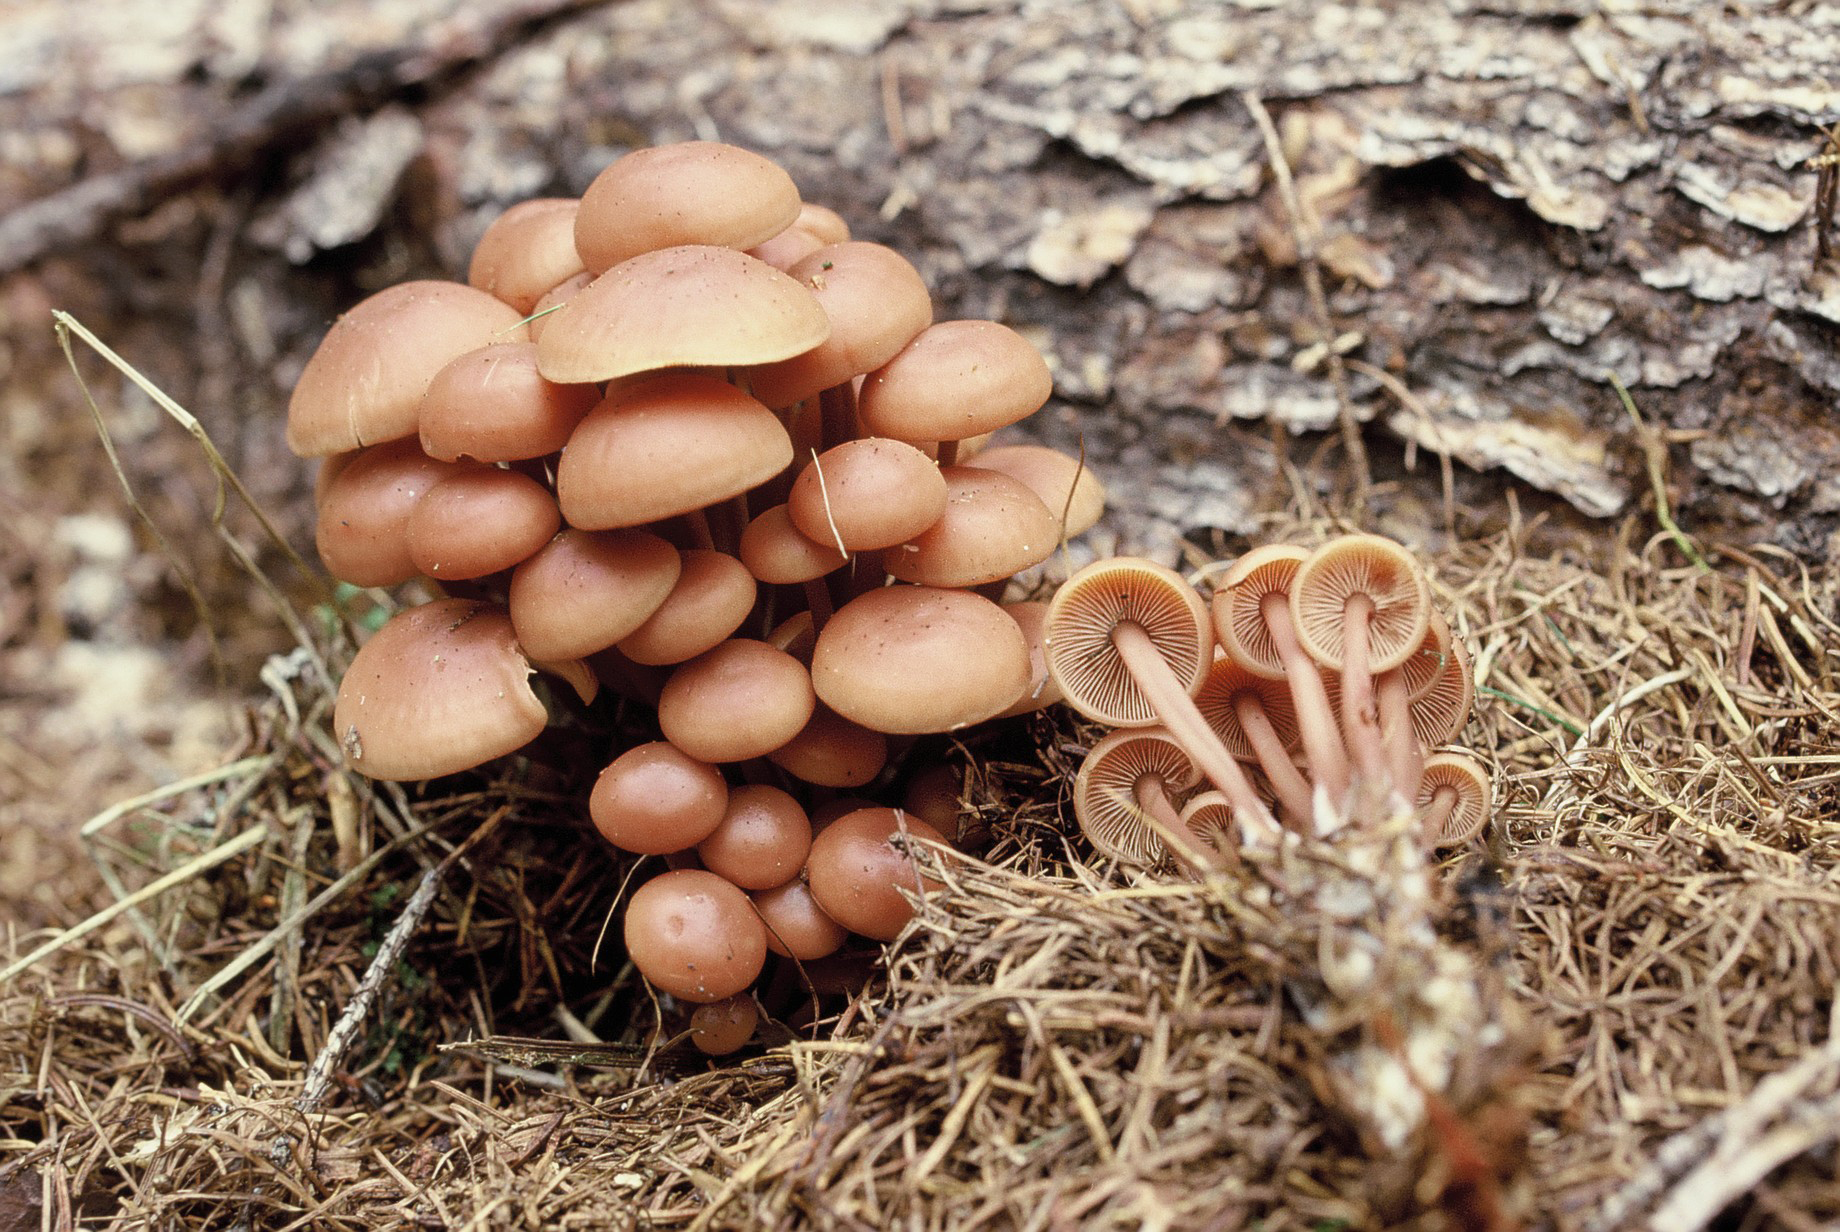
687, 192
667, 445
440, 688
364, 384
585, 590
911, 659
527, 250
956, 379
693, 306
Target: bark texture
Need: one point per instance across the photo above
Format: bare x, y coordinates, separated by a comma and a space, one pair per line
1506, 204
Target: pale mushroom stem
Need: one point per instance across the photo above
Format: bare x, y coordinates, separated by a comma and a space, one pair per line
1152, 796
1322, 744
1360, 717
1293, 791
1437, 814
1170, 702
1403, 755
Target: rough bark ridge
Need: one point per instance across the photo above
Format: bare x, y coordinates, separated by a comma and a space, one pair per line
1506, 203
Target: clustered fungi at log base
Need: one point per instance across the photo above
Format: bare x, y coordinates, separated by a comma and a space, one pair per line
685, 440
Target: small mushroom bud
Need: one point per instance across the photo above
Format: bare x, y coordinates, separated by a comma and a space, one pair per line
866, 494
993, 527
655, 799
741, 700
585, 590
363, 528
831, 751
724, 1026
857, 875
796, 926
694, 935
761, 841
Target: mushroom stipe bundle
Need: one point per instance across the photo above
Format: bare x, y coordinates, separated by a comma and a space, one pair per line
686, 441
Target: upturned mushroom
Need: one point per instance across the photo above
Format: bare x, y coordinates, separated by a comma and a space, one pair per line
1453, 799
1361, 607
1129, 779
1128, 643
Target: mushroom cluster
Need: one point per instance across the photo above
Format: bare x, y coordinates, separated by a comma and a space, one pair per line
685, 440
1314, 687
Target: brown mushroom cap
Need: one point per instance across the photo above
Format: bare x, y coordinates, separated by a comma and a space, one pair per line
911, 659
694, 935
867, 493
687, 192
788, 248
796, 926
585, 590
364, 384
822, 221
761, 841
1031, 616
875, 302
741, 700
527, 250
776, 552
440, 688
956, 379
655, 798
667, 445
1463, 784
831, 751
1082, 660
713, 595
993, 527
553, 299
363, 518
479, 522
857, 875
1064, 484
1440, 712
680, 307
1354, 567
491, 405
1239, 619
724, 1026
1112, 793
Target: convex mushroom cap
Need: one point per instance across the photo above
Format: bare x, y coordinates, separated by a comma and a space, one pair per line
1067, 486
364, 384
480, 522
993, 527
740, 700
687, 192
867, 493
440, 688
693, 306
493, 406
667, 445
527, 250
695, 935
911, 659
875, 302
956, 379
655, 799
585, 590
857, 875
